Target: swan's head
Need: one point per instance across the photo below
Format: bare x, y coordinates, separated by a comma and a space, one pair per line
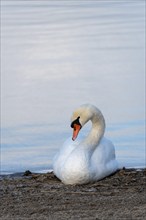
81, 116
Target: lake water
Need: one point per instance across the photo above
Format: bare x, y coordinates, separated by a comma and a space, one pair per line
57, 55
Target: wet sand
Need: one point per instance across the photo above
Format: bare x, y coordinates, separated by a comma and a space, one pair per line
121, 196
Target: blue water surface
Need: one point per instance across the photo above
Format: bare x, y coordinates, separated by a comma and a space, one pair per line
57, 55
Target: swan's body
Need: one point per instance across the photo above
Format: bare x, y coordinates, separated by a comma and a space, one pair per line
88, 160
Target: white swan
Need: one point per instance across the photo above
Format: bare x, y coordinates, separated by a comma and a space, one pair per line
88, 160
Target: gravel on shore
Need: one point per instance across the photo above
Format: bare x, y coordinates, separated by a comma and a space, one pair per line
30, 196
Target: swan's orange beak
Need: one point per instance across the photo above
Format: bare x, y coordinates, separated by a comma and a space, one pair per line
76, 129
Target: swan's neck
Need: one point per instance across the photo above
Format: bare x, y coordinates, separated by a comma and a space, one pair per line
96, 133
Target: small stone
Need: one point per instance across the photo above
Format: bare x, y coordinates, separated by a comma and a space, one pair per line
27, 173
92, 190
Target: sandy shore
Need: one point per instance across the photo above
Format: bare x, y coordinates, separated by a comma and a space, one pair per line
121, 196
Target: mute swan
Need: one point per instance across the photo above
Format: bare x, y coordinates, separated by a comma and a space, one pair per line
87, 160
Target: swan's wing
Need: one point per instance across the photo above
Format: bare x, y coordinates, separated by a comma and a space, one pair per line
103, 159
104, 152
